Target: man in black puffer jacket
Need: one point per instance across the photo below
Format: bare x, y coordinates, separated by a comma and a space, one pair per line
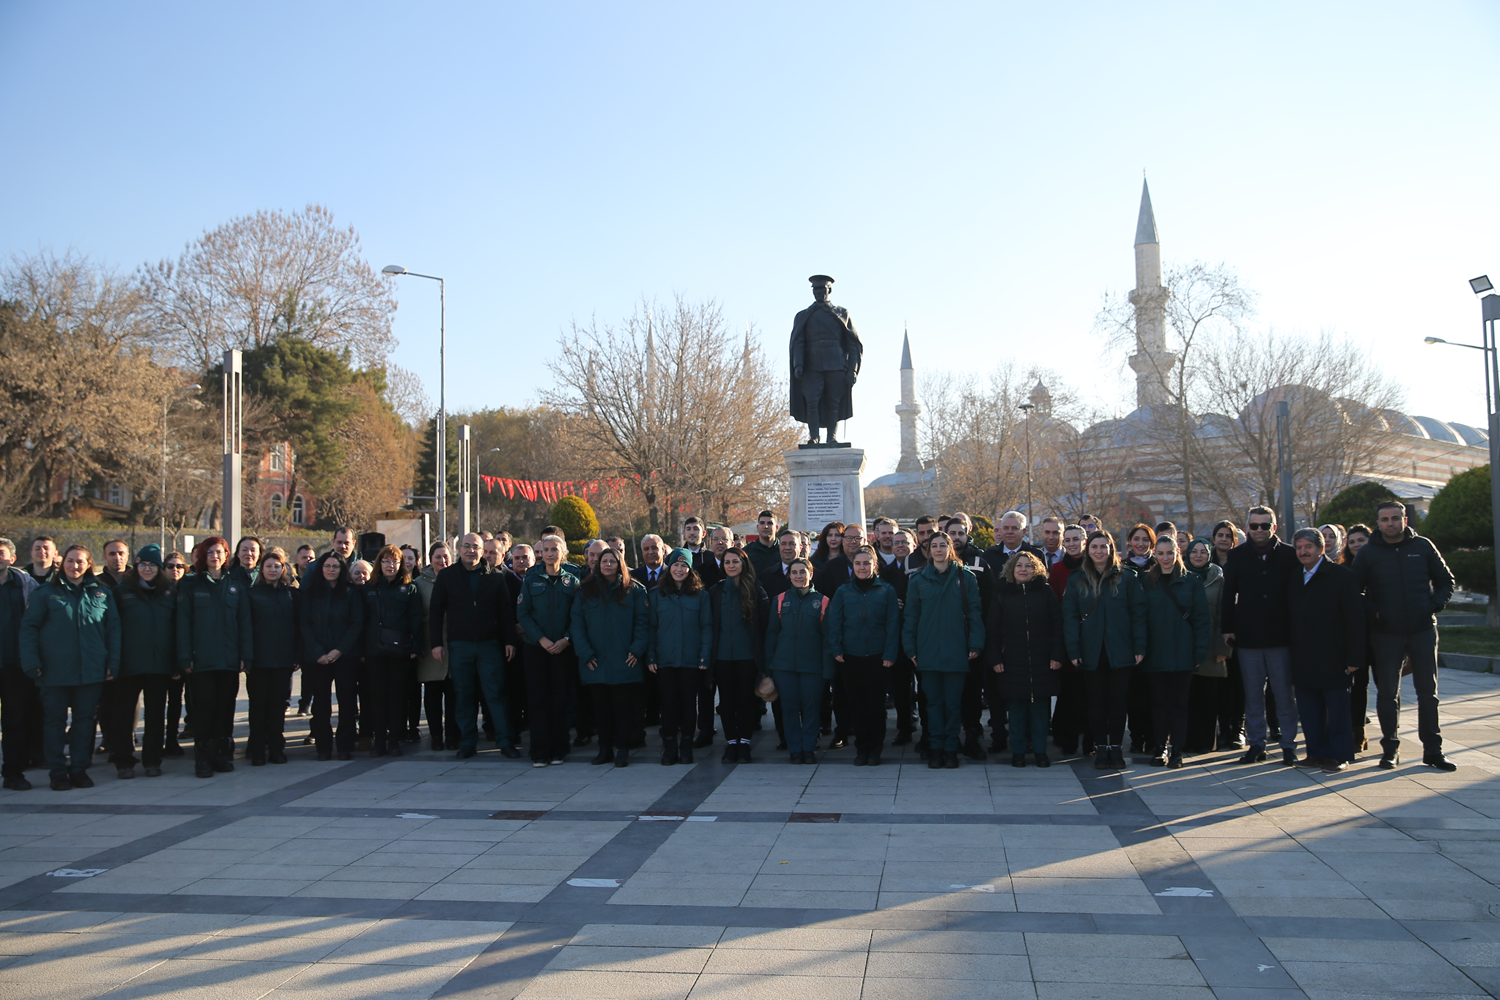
1406, 583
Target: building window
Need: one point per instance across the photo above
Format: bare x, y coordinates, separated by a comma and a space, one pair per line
278, 458
299, 510
277, 502
116, 495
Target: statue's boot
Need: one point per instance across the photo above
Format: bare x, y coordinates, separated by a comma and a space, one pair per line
831, 438
812, 434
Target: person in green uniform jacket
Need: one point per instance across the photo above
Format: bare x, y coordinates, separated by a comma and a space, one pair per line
393, 628
741, 611
275, 600
944, 630
331, 620
797, 656
1208, 701
682, 640
147, 601
214, 643
612, 634
545, 614
70, 645
1177, 640
1104, 630
864, 639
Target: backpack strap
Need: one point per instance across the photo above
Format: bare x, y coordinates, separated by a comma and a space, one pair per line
823, 609
779, 598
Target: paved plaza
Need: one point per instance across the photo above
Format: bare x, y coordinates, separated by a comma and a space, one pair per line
426, 877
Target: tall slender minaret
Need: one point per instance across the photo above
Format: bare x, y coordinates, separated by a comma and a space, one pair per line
1152, 362
907, 410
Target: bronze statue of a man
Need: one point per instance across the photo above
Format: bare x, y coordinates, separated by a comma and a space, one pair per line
825, 356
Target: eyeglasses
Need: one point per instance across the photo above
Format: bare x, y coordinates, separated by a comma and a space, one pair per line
179, 567
1259, 527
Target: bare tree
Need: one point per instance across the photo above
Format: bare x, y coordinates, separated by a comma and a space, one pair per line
407, 396
257, 277
676, 405
971, 429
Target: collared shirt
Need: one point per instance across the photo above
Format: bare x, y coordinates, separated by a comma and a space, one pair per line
1307, 574
652, 572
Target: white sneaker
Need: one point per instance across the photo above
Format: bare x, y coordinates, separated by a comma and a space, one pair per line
557, 760
539, 763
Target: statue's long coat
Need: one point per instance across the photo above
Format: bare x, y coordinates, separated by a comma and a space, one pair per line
854, 351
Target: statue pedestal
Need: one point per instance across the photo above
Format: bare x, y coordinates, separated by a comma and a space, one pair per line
825, 487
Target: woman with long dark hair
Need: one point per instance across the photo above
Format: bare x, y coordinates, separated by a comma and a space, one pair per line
1225, 537
274, 602
830, 544
1177, 640
1209, 706
393, 627
741, 611
432, 673
612, 633
797, 657
214, 643
147, 603
1104, 629
332, 620
682, 638
1355, 538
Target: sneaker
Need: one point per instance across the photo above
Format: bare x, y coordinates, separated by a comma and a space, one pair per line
555, 761
1335, 766
1174, 761
1390, 759
539, 763
838, 743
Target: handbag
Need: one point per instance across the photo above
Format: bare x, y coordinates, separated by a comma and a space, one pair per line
393, 641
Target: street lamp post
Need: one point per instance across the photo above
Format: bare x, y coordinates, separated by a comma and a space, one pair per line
441, 480
1489, 306
166, 402
1026, 408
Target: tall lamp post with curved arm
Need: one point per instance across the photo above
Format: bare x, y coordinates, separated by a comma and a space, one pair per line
441, 480
1489, 304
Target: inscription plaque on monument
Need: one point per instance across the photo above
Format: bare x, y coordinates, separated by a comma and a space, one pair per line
825, 502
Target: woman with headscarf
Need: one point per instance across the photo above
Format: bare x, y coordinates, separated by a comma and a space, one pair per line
1210, 710
682, 638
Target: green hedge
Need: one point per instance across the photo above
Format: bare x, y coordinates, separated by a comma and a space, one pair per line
1474, 569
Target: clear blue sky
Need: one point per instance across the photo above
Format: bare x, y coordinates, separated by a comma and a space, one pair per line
972, 169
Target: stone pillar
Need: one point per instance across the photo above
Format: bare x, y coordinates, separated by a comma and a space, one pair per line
825, 487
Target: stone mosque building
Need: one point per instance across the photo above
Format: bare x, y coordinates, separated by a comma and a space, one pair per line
1418, 456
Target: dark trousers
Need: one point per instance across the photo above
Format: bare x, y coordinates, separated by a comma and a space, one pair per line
104, 715
1138, 708
862, 679
214, 695
705, 680
1232, 704
945, 693
320, 681
1170, 691
475, 666
69, 749
176, 693
413, 699
981, 688
551, 679
1325, 723
652, 700
384, 701
516, 701
738, 706
1206, 697
1109, 695
441, 724
1070, 717
1420, 649
1359, 705
20, 722
1028, 724
837, 713
617, 712
120, 726
268, 689
681, 690
801, 708
901, 679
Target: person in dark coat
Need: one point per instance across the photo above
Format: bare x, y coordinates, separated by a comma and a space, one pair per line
332, 618
1256, 619
147, 603
681, 645
1177, 640
796, 655
70, 645
612, 633
214, 643
275, 599
741, 611
982, 688
1356, 537
1405, 583
1209, 707
393, 627
545, 613
471, 607
1070, 716
1104, 628
763, 551
864, 638
911, 710
1024, 649
20, 704
839, 570
1328, 649
943, 631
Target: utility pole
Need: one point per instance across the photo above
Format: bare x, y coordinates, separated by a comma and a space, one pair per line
1284, 460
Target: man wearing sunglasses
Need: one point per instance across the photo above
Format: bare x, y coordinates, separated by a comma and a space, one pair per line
1256, 618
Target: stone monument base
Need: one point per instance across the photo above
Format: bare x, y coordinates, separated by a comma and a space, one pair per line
825, 487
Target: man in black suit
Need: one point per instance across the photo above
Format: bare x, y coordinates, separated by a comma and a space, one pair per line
710, 567
776, 581
649, 574
522, 558
1010, 540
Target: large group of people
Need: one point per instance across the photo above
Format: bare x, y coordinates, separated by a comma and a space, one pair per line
1229, 641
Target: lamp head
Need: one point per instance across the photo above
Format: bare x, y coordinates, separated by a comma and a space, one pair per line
193, 388
1481, 284
1433, 340
393, 269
